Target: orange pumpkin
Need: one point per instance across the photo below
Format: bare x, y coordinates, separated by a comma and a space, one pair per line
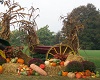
78, 75
83, 76
87, 73
82, 73
1, 69
21, 61
53, 64
62, 63
7, 60
64, 73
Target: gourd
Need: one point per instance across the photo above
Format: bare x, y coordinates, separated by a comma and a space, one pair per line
66, 63
71, 75
38, 69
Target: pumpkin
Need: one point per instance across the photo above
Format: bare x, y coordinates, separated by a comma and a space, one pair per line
47, 62
83, 76
53, 64
21, 61
87, 73
82, 73
71, 75
38, 69
1, 69
64, 73
78, 75
62, 63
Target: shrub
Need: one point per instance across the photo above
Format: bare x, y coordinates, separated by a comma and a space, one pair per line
89, 66
36, 61
74, 66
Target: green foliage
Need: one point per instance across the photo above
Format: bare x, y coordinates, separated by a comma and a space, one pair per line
88, 16
89, 66
39, 55
26, 50
18, 38
74, 66
45, 36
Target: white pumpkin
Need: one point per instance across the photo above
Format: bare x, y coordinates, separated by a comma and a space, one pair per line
71, 75
47, 62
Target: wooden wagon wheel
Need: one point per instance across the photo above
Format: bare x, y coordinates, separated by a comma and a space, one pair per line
62, 49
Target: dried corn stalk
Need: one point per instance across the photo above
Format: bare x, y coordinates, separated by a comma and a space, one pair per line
15, 14
7, 17
72, 29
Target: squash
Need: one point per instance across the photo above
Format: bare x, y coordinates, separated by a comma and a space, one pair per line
20, 60
78, 75
71, 75
66, 63
64, 73
1, 69
38, 69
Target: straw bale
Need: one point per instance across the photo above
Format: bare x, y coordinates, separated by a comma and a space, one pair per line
72, 57
10, 67
53, 70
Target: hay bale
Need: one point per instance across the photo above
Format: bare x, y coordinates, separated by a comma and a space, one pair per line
10, 67
72, 57
53, 71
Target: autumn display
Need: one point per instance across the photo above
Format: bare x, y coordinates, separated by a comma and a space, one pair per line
60, 60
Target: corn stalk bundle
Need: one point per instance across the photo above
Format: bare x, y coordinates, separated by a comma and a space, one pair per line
71, 29
7, 17
30, 28
14, 15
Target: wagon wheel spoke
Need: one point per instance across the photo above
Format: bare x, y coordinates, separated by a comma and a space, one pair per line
65, 50
59, 49
55, 50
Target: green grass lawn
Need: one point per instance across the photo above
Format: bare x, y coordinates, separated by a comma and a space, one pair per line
92, 55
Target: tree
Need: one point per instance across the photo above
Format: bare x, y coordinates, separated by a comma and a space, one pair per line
45, 36
58, 38
89, 17
17, 38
